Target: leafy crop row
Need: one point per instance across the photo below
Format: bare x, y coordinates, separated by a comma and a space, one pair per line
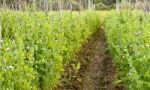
34, 47
128, 35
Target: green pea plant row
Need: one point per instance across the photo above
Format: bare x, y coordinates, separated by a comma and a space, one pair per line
34, 46
128, 38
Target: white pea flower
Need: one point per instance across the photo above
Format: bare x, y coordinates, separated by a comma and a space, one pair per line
130, 73
8, 49
28, 48
1, 40
147, 45
123, 56
144, 57
11, 67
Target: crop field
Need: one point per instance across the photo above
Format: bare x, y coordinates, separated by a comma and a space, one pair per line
128, 38
80, 48
34, 47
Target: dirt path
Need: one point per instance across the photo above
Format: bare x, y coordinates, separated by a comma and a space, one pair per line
96, 72
100, 72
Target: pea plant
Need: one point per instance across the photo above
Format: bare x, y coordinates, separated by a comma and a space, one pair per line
34, 46
128, 40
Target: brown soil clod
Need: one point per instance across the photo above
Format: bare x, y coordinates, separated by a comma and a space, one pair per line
97, 70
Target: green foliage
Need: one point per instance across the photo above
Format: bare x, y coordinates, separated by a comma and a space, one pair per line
35, 47
128, 39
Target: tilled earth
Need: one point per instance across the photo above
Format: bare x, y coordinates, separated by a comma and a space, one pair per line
96, 68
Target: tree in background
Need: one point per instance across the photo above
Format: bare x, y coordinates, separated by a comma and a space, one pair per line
105, 4
76, 4
108, 2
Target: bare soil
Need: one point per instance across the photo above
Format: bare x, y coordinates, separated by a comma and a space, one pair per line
96, 68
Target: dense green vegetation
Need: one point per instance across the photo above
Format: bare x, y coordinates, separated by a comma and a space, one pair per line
128, 38
34, 47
